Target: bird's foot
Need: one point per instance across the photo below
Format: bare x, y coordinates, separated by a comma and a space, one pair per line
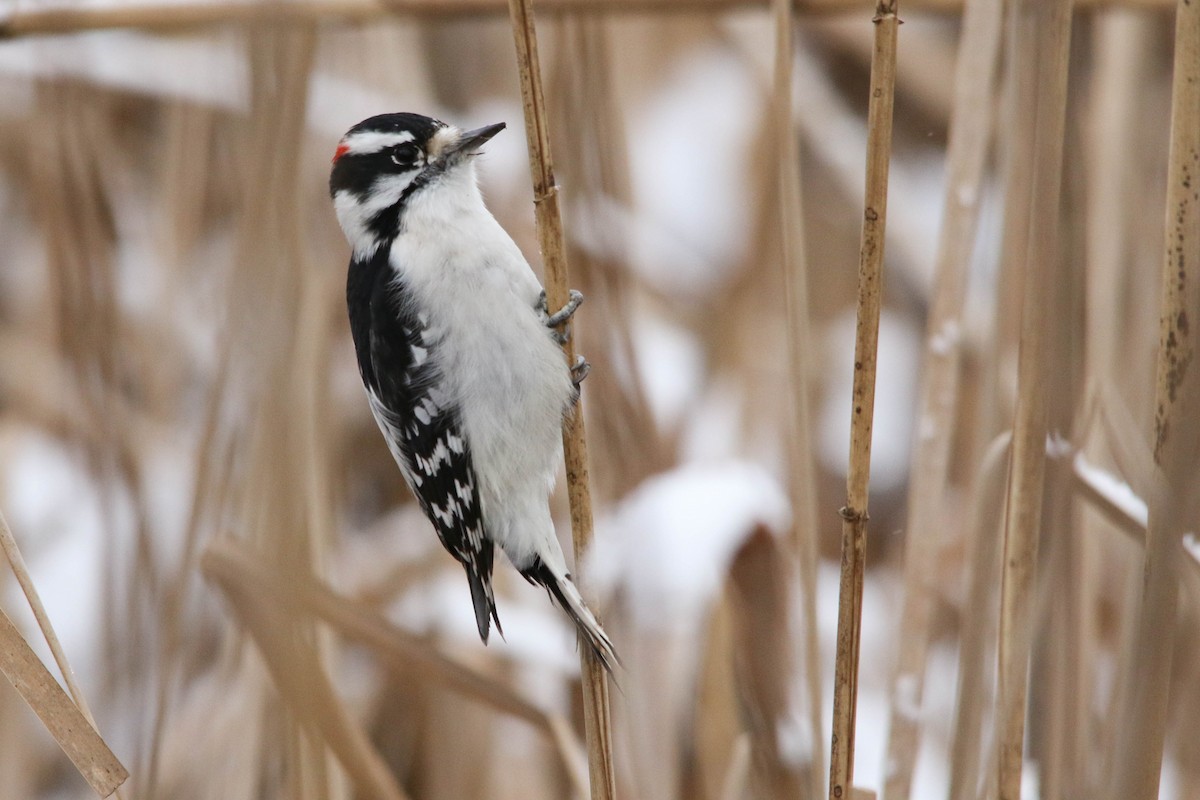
559, 317
579, 370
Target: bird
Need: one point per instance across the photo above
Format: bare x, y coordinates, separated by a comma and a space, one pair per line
460, 356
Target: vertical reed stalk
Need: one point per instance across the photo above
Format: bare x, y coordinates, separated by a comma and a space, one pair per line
1061, 670
1047, 25
596, 715
975, 678
970, 136
795, 281
1177, 396
1123, 42
866, 344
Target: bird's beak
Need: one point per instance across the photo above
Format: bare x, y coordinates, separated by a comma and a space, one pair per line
470, 140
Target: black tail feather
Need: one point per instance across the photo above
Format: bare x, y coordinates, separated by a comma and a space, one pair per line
586, 624
479, 576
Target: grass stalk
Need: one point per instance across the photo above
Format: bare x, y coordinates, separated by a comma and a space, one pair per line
235, 566
1172, 502
802, 471
64, 720
970, 136
866, 345
1122, 42
305, 687
15, 560
1047, 26
1066, 635
974, 671
596, 713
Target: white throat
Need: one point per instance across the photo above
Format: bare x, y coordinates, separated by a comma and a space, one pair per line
449, 196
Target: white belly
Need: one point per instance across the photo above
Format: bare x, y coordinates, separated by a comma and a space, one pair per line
500, 366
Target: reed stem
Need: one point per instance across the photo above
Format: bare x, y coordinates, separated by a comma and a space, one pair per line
1172, 502
596, 713
802, 469
966, 157
1046, 27
866, 345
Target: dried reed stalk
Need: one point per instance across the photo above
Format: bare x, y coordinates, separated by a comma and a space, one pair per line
188, 15
235, 565
866, 344
1123, 43
1061, 671
594, 160
62, 718
15, 560
802, 473
970, 136
974, 680
596, 715
1172, 501
305, 687
1047, 26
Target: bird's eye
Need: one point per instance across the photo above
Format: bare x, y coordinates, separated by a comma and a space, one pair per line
405, 155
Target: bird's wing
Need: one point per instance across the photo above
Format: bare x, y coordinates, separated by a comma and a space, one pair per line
422, 426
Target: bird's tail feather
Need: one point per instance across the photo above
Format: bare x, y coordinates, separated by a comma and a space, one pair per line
564, 592
479, 576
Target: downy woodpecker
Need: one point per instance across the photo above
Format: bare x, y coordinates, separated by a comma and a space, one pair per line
458, 354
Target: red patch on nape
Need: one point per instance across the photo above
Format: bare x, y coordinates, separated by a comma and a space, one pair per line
342, 149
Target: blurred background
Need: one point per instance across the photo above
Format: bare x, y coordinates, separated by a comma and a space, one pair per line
250, 597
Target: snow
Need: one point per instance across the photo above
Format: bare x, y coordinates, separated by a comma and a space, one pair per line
668, 545
536, 632
688, 153
56, 515
670, 367
794, 741
1191, 543
1114, 489
907, 701
946, 338
1058, 445
209, 69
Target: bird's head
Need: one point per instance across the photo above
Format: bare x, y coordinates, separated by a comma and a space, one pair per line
383, 163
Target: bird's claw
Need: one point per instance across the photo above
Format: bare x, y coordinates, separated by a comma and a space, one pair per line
579, 370
575, 299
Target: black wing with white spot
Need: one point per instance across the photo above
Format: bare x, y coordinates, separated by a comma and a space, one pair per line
419, 419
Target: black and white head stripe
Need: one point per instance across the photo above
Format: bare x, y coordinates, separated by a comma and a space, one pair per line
397, 357
382, 161
377, 133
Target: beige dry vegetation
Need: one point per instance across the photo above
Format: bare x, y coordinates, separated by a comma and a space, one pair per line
256, 609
